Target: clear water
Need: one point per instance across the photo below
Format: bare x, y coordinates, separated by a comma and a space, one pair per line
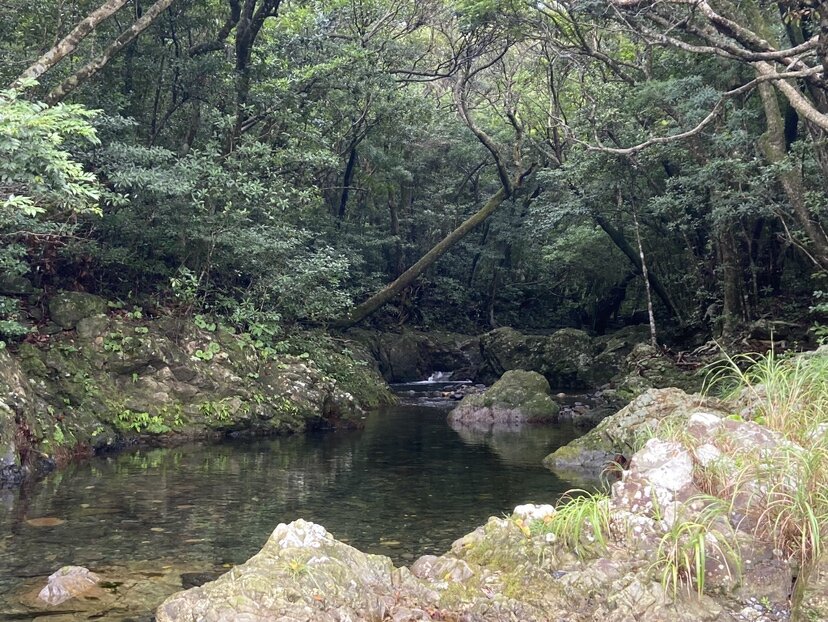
405, 485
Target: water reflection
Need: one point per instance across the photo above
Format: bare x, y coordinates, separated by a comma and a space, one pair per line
404, 486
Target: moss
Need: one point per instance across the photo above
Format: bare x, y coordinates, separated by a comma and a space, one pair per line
31, 360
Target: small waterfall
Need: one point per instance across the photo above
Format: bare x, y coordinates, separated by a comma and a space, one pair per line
440, 376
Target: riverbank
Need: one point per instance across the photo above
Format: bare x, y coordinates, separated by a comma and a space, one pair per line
100, 379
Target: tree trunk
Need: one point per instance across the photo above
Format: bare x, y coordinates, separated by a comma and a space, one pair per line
621, 242
773, 147
347, 179
68, 44
396, 259
94, 66
732, 309
363, 310
645, 273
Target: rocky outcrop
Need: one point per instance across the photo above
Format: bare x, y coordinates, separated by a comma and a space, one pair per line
688, 532
412, 355
522, 567
620, 434
565, 358
117, 379
518, 397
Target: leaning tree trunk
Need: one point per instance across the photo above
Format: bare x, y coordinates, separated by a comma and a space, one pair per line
621, 242
774, 148
648, 288
388, 292
70, 42
94, 66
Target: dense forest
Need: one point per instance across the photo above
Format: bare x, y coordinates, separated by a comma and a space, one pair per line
464, 164
227, 221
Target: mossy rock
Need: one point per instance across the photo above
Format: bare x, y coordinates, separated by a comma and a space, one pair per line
67, 308
623, 432
565, 358
519, 396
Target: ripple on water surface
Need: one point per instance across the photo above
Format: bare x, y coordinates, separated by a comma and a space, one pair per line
404, 486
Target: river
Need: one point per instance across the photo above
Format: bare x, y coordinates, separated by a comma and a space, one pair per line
405, 485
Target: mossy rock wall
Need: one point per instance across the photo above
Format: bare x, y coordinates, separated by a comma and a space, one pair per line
114, 380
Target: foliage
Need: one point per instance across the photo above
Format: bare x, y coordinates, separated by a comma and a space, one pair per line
581, 522
689, 545
37, 171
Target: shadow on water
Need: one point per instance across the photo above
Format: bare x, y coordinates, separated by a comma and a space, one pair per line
406, 485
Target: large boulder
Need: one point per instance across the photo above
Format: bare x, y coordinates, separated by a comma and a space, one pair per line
518, 397
621, 434
67, 308
301, 574
566, 358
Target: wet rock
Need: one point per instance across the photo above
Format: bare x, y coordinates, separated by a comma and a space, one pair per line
68, 582
518, 397
67, 308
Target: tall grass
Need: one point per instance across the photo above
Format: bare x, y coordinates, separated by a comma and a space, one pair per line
790, 395
784, 489
688, 546
581, 521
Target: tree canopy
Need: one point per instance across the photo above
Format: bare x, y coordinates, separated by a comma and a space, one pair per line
459, 164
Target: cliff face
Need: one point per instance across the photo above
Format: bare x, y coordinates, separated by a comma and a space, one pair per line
104, 381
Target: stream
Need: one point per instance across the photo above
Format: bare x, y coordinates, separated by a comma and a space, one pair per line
405, 485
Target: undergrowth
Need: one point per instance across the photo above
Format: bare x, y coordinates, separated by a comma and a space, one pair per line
777, 491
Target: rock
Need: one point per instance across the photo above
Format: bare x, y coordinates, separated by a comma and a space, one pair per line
518, 397
647, 368
67, 583
15, 285
412, 355
660, 476
811, 596
565, 358
117, 380
67, 308
92, 327
530, 511
301, 574
619, 433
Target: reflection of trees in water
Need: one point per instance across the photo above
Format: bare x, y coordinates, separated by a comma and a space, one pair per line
520, 445
406, 477
147, 502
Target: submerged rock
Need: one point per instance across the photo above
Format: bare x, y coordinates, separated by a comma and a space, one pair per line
67, 583
518, 397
